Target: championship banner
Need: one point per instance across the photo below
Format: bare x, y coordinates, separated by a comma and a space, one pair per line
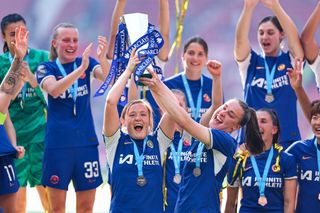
134, 32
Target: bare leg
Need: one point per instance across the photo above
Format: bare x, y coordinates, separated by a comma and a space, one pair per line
21, 200
57, 200
8, 202
43, 197
85, 201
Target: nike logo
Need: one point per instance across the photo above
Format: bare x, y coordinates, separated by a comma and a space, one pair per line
246, 169
127, 142
306, 157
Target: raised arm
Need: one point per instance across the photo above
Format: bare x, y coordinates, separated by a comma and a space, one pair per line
309, 42
117, 13
56, 87
242, 43
166, 99
12, 81
111, 117
164, 28
102, 71
288, 26
214, 67
295, 77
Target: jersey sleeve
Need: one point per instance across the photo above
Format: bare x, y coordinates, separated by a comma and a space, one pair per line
164, 142
315, 67
111, 146
44, 70
289, 165
223, 142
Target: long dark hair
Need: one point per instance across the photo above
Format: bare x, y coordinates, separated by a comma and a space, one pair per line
249, 121
196, 39
9, 19
274, 20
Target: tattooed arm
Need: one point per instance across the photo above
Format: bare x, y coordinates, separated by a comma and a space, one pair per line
11, 83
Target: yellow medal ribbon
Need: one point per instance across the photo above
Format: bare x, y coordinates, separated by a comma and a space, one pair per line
179, 25
2, 118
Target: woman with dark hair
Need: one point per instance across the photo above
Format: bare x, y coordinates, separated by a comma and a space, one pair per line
9, 150
264, 76
27, 111
267, 176
307, 152
211, 151
70, 128
307, 155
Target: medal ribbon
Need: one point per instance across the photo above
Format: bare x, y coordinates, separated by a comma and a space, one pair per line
198, 154
121, 55
176, 156
270, 75
74, 87
318, 155
139, 158
195, 111
262, 181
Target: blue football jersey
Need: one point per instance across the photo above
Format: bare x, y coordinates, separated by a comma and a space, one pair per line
254, 84
308, 175
127, 195
64, 128
201, 193
274, 183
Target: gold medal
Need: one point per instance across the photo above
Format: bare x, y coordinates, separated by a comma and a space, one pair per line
141, 181
196, 172
177, 179
269, 98
262, 201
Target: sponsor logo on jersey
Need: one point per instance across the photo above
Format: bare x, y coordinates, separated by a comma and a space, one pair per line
206, 98
41, 71
127, 159
54, 179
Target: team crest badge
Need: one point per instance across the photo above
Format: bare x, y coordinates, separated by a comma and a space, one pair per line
150, 144
281, 67
83, 76
186, 142
54, 179
122, 98
206, 98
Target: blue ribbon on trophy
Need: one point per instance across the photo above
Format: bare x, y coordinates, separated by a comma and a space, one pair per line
146, 40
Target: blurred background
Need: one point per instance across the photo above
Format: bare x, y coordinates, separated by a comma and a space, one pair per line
214, 20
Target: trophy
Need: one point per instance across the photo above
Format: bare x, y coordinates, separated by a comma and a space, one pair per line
137, 27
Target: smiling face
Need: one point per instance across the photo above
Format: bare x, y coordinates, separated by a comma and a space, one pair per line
9, 34
266, 126
66, 44
227, 117
137, 120
269, 38
315, 124
194, 58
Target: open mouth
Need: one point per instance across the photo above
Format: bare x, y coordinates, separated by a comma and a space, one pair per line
138, 127
218, 119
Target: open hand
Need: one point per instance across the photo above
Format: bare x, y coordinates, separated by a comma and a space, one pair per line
21, 42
